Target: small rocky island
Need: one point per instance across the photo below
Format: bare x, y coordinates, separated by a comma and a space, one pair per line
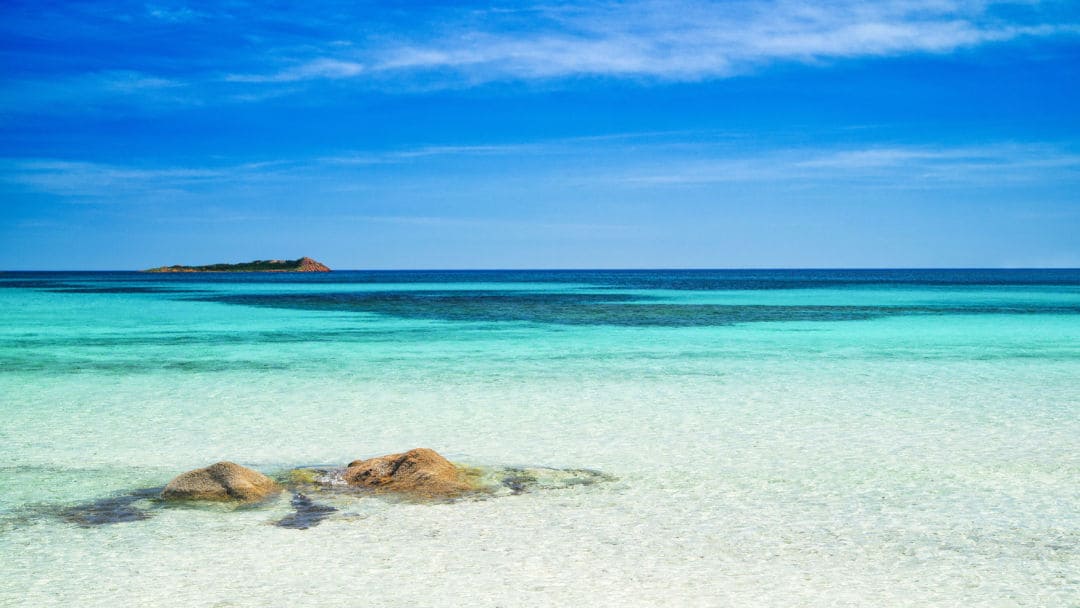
304, 264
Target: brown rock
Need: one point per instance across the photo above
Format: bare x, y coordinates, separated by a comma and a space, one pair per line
220, 481
309, 265
420, 473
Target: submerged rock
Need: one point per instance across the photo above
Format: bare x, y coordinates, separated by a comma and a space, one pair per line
222, 481
111, 510
420, 472
302, 477
519, 480
308, 513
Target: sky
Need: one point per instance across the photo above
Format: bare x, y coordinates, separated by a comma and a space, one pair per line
677, 134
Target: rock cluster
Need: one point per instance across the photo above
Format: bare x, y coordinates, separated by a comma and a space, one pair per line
418, 474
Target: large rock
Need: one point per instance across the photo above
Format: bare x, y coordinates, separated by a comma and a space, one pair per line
419, 473
220, 481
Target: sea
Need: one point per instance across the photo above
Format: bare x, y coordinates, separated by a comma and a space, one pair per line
760, 437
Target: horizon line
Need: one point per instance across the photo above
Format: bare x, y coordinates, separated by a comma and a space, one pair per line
586, 269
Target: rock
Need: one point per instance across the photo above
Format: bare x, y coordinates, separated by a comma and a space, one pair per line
306, 264
420, 472
301, 477
221, 481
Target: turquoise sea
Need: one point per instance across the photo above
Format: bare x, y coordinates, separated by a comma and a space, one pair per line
774, 438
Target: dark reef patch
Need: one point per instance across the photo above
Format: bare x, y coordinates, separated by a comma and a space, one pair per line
594, 308
206, 338
123, 289
681, 280
103, 287
72, 365
32, 284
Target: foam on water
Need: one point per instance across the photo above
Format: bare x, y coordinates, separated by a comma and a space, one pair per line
900, 459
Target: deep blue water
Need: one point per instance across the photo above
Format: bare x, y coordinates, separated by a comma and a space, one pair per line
618, 279
593, 297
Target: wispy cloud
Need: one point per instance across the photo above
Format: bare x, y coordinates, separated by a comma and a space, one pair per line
315, 69
106, 86
672, 40
78, 181
420, 152
174, 14
562, 145
655, 164
893, 166
582, 228
415, 48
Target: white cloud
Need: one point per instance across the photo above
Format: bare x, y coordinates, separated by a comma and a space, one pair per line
435, 48
394, 156
177, 14
659, 164
895, 166
672, 40
96, 182
591, 230
102, 92
315, 69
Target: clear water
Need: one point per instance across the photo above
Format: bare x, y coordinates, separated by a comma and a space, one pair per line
779, 438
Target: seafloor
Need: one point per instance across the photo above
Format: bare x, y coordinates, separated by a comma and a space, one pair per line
783, 438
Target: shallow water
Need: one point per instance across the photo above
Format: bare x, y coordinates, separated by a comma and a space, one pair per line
777, 438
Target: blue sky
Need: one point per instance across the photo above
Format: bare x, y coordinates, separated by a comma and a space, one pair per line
898, 133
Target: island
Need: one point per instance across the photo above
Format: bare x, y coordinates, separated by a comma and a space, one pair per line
304, 264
